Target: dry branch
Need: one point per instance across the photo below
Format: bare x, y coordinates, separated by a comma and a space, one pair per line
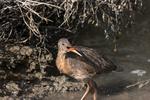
65, 15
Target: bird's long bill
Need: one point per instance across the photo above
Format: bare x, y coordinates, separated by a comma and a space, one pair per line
71, 49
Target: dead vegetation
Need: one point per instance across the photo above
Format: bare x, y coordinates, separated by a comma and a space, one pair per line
45, 21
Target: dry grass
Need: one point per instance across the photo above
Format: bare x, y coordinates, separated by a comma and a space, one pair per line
139, 84
68, 15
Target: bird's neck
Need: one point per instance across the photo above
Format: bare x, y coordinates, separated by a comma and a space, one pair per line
60, 60
61, 54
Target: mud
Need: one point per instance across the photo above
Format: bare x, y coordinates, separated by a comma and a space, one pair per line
25, 73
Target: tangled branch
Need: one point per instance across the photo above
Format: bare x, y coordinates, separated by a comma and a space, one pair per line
66, 15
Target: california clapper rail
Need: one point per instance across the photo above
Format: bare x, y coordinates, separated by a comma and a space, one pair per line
82, 63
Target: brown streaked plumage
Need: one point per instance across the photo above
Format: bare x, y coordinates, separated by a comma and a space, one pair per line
82, 63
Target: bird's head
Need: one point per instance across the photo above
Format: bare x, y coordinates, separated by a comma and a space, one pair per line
63, 44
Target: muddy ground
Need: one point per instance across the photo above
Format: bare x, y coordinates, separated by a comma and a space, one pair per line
133, 54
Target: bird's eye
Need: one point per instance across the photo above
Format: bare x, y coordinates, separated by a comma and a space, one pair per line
63, 44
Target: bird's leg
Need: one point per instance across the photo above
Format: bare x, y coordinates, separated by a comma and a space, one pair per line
86, 92
94, 87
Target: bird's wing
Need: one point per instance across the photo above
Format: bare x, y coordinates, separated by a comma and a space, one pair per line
90, 56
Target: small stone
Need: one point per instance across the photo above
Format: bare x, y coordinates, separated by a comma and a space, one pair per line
13, 88
39, 75
148, 60
139, 72
14, 49
26, 50
32, 66
128, 56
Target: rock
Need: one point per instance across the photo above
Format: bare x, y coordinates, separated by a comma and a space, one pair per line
14, 49
26, 50
13, 88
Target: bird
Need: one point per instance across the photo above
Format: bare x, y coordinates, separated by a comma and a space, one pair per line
83, 64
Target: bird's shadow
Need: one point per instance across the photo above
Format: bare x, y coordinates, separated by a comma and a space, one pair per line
113, 88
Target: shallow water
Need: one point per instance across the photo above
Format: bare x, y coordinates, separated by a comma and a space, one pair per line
133, 53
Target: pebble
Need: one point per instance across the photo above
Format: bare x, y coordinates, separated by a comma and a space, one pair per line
138, 72
148, 60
